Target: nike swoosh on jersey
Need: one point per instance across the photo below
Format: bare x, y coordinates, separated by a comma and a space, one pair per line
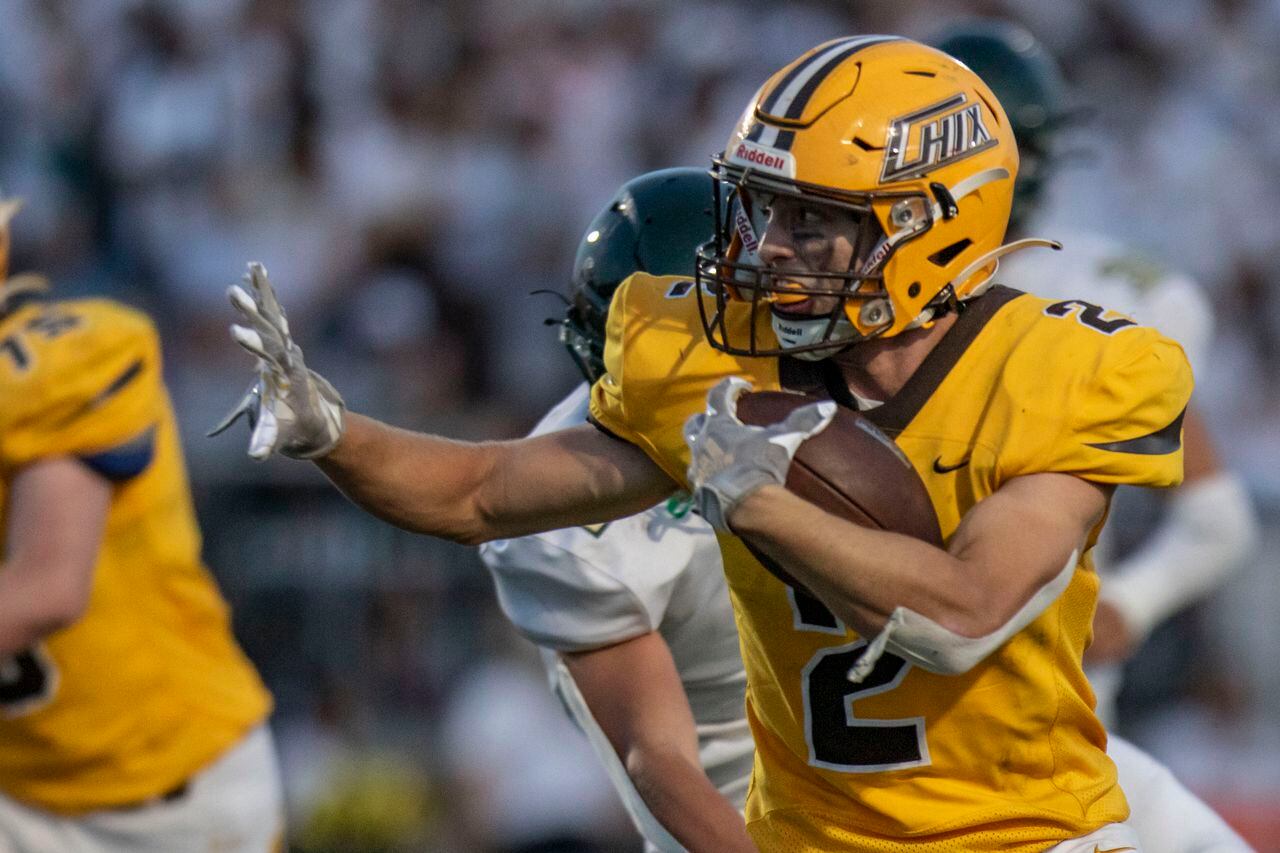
947, 469
1097, 849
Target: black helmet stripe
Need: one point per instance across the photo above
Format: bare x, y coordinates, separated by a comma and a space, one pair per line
805, 69
801, 98
782, 139
792, 94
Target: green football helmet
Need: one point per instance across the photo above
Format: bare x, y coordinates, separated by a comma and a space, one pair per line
654, 224
1029, 84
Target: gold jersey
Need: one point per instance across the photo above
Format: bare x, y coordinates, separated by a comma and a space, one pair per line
149, 686
1008, 756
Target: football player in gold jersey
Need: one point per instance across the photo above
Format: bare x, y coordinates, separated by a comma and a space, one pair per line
129, 718
919, 698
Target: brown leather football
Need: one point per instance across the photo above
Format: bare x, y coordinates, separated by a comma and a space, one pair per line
851, 469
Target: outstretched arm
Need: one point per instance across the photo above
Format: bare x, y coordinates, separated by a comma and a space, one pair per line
467, 492
475, 492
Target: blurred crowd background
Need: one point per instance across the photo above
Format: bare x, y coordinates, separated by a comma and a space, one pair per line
411, 172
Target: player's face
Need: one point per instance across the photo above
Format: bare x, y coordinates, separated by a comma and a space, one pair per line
800, 237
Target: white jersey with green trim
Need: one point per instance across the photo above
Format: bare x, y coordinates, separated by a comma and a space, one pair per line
580, 588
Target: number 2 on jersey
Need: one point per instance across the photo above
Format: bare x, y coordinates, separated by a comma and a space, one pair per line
838, 739
1089, 315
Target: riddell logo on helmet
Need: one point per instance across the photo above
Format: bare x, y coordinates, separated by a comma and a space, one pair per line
933, 137
768, 159
746, 233
877, 256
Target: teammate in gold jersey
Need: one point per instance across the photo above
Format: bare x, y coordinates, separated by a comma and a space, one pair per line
129, 718
920, 698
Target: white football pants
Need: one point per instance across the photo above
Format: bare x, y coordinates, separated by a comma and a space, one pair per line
233, 805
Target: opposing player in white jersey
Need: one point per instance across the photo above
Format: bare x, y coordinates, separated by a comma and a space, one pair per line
1208, 528
634, 617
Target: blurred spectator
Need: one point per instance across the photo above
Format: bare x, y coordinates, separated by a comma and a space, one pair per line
525, 777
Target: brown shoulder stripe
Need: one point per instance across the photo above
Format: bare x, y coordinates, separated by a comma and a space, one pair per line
894, 416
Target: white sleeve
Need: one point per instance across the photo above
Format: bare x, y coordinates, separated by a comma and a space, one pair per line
1208, 532
586, 588
1166, 815
573, 590
1180, 309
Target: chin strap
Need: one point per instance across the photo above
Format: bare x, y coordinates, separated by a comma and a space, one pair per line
992, 257
995, 255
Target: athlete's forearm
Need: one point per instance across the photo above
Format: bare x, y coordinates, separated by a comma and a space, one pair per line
682, 798
57, 513
30, 609
475, 492
862, 575
1012, 554
420, 482
633, 693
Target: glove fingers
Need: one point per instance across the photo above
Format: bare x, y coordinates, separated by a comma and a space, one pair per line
811, 419
265, 295
250, 312
251, 341
247, 308
723, 399
802, 423
242, 301
693, 428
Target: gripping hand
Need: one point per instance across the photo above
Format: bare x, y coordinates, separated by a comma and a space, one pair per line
729, 459
291, 409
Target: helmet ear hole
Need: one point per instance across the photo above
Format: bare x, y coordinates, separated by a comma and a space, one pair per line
914, 290
947, 254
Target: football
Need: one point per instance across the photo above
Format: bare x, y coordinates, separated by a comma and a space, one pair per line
851, 469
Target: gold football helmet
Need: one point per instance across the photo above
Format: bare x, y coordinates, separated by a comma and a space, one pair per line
900, 141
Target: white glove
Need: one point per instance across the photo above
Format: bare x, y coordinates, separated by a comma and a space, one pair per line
729, 459
290, 409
